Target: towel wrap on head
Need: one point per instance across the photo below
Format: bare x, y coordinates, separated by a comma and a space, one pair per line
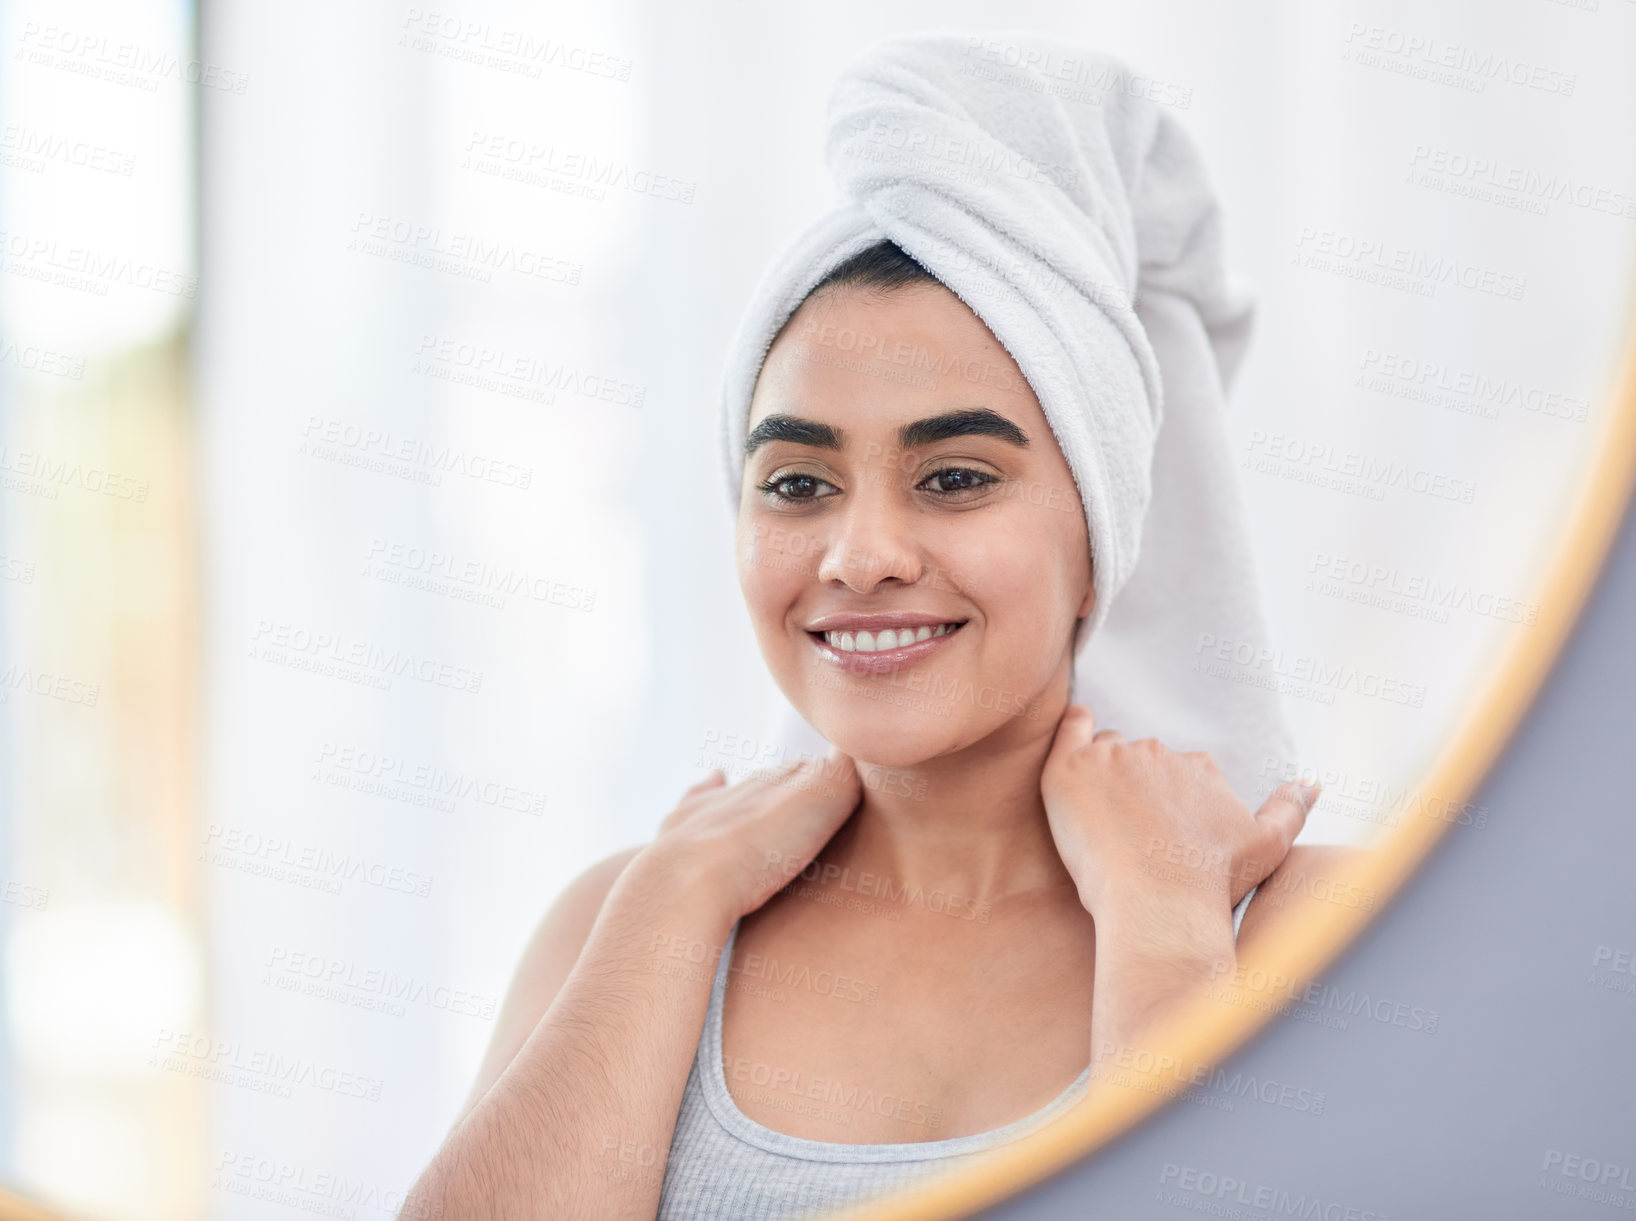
1086, 236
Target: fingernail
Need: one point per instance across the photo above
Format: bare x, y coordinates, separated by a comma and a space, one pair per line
1309, 792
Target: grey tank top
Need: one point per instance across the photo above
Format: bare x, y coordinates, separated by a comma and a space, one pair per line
725, 1165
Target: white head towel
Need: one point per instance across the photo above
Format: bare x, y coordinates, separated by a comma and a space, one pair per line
1049, 217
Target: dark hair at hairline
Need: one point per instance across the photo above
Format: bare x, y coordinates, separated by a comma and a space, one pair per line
882, 267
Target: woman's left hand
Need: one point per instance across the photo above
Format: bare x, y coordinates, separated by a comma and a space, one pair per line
1160, 848
1139, 823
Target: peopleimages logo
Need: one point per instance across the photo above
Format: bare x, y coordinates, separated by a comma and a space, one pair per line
479, 578
879, 886
1375, 578
232, 1063
436, 783
50, 473
123, 63
1324, 464
968, 159
1397, 266
493, 367
367, 987
253, 852
86, 269
503, 47
1070, 77
1448, 63
1226, 1188
469, 254
915, 357
1460, 389
1394, 799
1486, 179
423, 461
1301, 668
334, 655
1603, 1182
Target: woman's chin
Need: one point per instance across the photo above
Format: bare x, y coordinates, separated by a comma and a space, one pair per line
894, 738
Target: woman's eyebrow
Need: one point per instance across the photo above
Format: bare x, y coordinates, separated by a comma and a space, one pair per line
794, 429
972, 421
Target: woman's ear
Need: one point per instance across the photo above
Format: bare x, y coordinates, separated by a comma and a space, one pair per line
1089, 600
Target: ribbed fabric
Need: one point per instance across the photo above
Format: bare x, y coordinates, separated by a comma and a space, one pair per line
723, 1164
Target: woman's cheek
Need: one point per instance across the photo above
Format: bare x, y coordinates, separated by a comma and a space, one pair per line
772, 547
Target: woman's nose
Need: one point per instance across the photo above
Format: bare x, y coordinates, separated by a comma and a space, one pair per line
871, 540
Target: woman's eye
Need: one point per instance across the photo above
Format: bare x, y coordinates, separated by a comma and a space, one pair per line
953, 480
795, 487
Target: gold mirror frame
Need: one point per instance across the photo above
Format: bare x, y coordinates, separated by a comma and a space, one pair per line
1208, 1033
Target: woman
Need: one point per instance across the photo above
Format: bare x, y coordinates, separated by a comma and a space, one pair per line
792, 997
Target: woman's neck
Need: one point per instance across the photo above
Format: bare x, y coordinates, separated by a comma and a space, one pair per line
971, 823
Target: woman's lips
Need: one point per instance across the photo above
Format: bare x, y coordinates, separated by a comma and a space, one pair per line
885, 661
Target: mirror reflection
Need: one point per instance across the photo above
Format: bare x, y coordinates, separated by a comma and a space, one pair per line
579, 647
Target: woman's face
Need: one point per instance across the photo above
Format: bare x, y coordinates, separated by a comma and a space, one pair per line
902, 480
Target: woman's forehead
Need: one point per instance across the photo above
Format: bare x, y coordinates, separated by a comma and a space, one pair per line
890, 325
875, 362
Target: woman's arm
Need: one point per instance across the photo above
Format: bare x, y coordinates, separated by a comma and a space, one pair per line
546, 962
577, 1098
1161, 849
579, 1121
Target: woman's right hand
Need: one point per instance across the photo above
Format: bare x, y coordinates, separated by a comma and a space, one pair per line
600, 1034
744, 842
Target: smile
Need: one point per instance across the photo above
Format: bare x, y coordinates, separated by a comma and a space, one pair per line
884, 649
886, 640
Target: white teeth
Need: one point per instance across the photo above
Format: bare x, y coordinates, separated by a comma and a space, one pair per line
879, 642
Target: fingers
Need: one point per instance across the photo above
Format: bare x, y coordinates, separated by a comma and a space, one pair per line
838, 760
1076, 718
1073, 728
779, 773
714, 780
1281, 818
1077, 724
683, 811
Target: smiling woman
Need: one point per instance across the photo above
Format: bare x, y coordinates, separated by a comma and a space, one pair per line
983, 504
865, 497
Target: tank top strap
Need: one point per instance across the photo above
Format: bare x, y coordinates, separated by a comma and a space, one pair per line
1238, 912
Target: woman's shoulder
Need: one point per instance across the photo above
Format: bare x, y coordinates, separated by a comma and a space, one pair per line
545, 963
555, 945
1313, 874
581, 900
